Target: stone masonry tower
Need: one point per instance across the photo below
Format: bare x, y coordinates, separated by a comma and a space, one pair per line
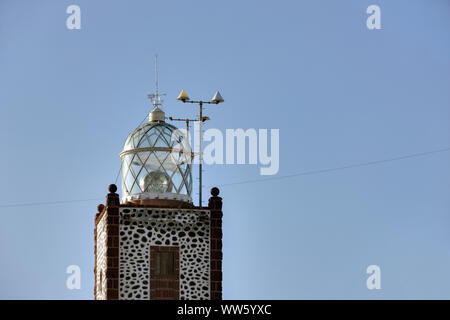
153, 243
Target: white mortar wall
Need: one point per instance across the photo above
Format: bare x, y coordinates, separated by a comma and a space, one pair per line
101, 259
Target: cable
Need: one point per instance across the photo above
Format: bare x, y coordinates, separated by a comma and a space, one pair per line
312, 172
62, 201
319, 171
118, 173
45, 203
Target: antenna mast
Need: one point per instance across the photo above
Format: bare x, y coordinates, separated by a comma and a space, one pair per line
156, 74
156, 97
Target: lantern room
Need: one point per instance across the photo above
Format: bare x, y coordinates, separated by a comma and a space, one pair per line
156, 162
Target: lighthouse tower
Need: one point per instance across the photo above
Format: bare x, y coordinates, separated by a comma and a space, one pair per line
152, 242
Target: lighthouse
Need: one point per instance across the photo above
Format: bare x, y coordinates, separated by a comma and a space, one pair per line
152, 241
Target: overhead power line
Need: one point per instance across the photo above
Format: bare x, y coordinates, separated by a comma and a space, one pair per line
32, 204
305, 173
350, 166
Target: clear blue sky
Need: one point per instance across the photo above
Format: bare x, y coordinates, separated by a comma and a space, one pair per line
339, 93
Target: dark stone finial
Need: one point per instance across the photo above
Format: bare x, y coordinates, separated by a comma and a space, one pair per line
215, 202
112, 188
112, 198
215, 191
100, 208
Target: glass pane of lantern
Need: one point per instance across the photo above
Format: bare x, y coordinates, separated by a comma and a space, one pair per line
156, 170
149, 140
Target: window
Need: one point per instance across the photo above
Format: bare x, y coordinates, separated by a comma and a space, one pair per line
164, 272
165, 263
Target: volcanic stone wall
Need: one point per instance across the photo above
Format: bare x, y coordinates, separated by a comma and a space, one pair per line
187, 229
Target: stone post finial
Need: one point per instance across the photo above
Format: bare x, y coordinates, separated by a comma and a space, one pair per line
215, 202
112, 198
112, 188
100, 208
